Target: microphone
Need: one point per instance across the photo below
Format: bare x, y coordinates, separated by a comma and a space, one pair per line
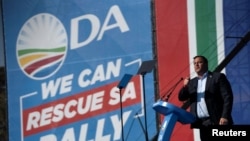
166, 96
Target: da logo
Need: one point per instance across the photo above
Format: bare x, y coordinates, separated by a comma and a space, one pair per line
41, 46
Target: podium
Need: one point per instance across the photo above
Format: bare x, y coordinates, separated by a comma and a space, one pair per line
172, 114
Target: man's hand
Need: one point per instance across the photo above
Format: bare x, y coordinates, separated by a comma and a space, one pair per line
223, 121
185, 81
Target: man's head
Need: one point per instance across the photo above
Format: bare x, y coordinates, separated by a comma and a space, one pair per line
200, 64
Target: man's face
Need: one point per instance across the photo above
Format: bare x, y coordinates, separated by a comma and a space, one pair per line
200, 66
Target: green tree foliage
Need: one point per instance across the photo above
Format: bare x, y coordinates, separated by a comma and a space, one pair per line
3, 107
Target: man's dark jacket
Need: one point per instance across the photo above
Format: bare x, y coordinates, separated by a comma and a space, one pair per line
218, 97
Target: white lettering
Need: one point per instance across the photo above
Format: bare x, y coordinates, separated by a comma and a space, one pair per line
69, 135
120, 21
129, 93
95, 27
52, 87
82, 80
68, 112
33, 120
98, 75
61, 111
115, 121
46, 116
97, 101
216, 132
82, 109
88, 77
83, 132
50, 137
99, 131
58, 113
66, 85
113, 69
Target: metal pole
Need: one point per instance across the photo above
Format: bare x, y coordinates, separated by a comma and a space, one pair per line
121, 114
145, 110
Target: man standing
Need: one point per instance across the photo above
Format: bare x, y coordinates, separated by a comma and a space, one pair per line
210, 96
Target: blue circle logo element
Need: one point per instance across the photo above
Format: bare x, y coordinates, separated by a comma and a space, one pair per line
41, 46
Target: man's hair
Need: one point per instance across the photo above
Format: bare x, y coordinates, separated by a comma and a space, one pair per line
203, 58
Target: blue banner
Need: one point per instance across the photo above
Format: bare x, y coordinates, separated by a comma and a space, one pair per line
64, 60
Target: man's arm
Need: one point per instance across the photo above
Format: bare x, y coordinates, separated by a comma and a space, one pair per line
183, 94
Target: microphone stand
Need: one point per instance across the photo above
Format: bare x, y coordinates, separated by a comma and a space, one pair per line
166, 96
146, 67
122, 84
144, 105
141, 123
121, 112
